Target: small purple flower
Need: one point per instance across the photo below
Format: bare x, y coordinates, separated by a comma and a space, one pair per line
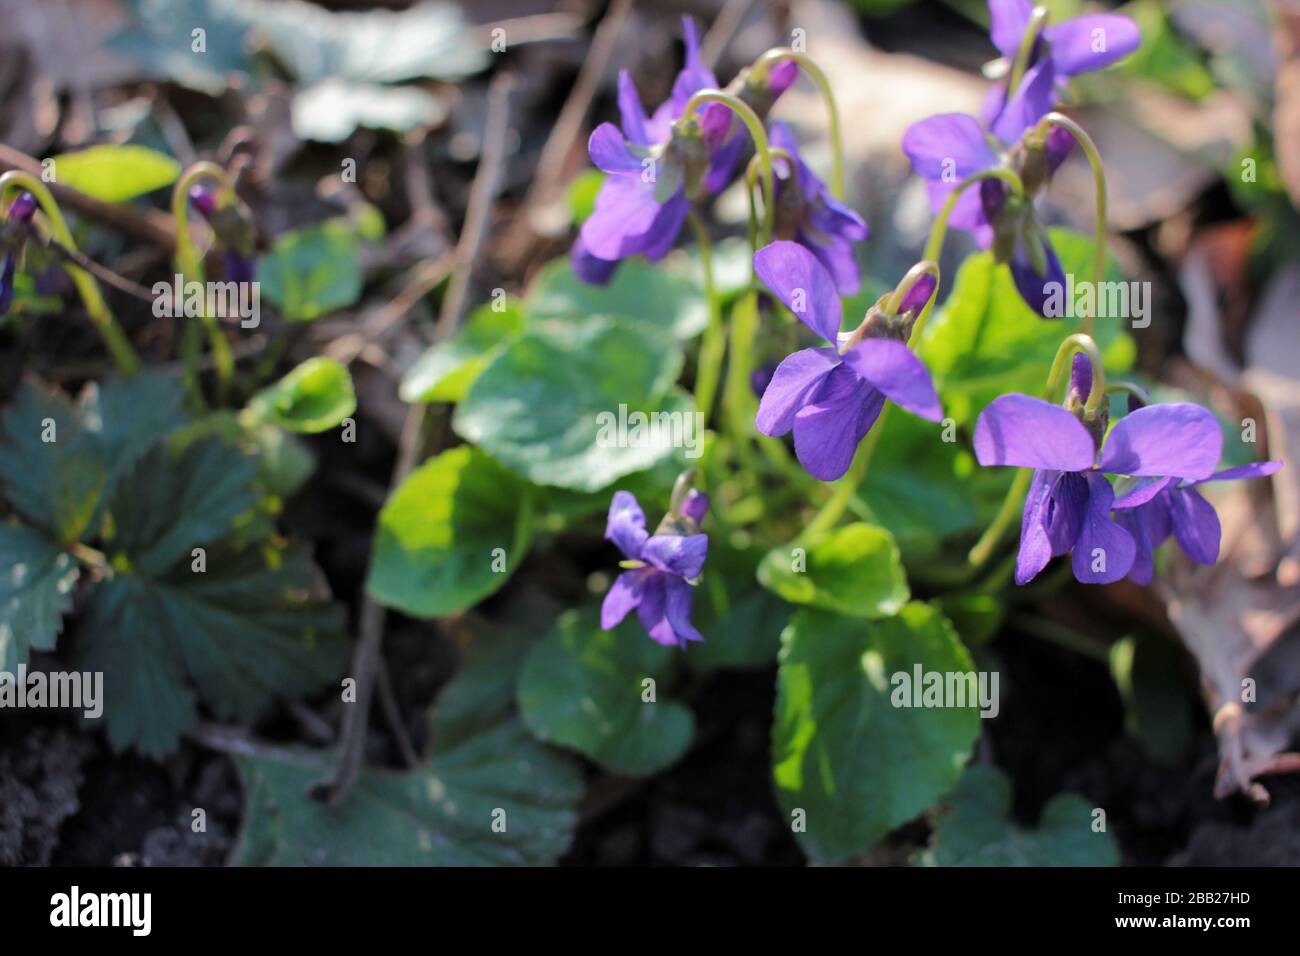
18, 223
1154, 509
653, 167
808, 214
1079, 45
235, 234
947, 149
830, 397
1069, 502
660, 568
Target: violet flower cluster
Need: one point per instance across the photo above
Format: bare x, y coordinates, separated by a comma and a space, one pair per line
947, 149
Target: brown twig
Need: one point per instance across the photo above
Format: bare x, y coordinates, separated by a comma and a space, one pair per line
149, 225
367, 655
567, 129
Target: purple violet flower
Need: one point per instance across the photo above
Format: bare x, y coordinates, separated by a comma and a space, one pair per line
660, 568
236, 237
18, 222
653, 167
808, 214
947, 149
1153, 510
1069, 502
1079, 45
830, 397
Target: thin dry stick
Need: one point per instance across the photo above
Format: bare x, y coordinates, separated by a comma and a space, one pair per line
424, 278
149, 225
366, 656
723, 30
568, 126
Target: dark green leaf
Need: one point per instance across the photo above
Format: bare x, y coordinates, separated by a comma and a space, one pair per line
312, 271
549, 405
496, 798
740, 620
977, 830
252, 626
436, 544
656, 299
584, 688
846, 760
35, 592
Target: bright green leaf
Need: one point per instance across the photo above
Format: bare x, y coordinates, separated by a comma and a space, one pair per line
549, 405
985, 341
855, 570
658, 300
314, 397
584, 688
450, 535
115, 173
855, 764
446, 371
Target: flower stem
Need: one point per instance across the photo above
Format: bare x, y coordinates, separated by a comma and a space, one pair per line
191, 267
757, 132
1099, 187
759, 73
119, 347
992, 535
714, 344
1033, 29
740, 349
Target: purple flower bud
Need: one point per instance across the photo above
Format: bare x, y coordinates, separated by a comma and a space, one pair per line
1080, 377
204, 199
696, 505
918, 295
238, 268
23, 207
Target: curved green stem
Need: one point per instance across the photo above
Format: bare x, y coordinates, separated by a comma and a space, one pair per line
119, 347
910, 278
847, 485
740, 348
191, 266
1011, 507
756, 131
1082, 342
714, 343
1099, 186
1037, 20
758, 73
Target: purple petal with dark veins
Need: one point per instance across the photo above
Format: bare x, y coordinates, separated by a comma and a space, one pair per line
793, 384
828, 429
1196, 525
1035, 546
1104, 551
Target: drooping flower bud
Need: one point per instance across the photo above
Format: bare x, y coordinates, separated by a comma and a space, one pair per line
17, 227
232, 225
